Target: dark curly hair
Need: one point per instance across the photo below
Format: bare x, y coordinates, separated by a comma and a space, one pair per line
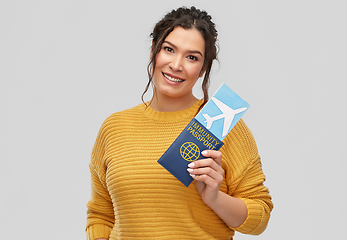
186, 18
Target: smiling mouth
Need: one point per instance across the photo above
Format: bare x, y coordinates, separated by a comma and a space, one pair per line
172, 78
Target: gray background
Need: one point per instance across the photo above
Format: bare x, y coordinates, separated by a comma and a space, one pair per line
66, 65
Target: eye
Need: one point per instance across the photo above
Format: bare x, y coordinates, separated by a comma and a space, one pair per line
168, 49
191, 57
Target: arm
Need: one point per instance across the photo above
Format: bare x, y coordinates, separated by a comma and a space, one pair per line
248, 210
100, 213
209, 176
233, 211
256, 196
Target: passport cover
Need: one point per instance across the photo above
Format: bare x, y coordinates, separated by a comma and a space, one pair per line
204, 132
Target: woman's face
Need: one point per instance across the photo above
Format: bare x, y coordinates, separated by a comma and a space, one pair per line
179, 63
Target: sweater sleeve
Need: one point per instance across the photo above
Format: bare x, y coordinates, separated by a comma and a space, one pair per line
246, 179
257, 199
100, 212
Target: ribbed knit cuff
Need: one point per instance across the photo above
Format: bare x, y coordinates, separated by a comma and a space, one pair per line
256, 222
98, 231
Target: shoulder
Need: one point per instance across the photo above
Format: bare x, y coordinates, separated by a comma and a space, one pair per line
239, 152
124, 115
240, 142
130, 112
121, 119
114, 125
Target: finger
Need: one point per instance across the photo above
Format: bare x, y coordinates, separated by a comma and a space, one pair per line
207, 171
207, 164
215, 155
208, 180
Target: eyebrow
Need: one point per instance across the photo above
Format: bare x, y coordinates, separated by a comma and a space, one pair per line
191, 51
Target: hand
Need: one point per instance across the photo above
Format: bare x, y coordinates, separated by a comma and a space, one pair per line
208, 175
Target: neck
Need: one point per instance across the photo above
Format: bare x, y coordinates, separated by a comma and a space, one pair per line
168, 104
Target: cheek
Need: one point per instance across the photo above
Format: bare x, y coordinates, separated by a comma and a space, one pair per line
194, 72
158, 64
161, 59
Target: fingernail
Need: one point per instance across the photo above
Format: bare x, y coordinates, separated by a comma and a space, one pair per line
192, 175
204, 152
189, 170
191, 165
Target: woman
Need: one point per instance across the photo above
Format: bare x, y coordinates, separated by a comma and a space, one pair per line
133, 197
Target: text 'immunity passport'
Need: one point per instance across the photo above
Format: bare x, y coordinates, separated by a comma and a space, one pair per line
204, 132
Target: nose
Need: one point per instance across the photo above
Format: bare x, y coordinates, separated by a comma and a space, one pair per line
176, 64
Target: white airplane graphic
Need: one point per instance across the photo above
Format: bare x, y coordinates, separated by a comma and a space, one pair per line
228, 115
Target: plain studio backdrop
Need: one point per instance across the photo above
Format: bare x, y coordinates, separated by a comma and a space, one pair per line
67, 65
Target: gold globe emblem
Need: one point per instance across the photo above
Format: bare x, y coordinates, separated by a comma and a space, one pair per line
189, 151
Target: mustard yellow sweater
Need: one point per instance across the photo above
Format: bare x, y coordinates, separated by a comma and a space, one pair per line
134, 197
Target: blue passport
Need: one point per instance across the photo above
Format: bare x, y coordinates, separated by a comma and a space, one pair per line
206, 131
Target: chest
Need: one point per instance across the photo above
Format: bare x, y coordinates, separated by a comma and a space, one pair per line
131, 157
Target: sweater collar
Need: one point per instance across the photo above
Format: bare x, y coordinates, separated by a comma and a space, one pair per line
188, 113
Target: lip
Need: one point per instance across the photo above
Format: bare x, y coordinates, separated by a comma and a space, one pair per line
172, 76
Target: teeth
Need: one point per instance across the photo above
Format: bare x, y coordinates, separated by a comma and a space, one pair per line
173, 79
